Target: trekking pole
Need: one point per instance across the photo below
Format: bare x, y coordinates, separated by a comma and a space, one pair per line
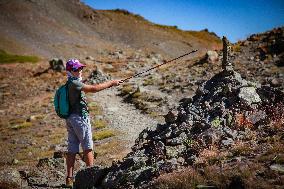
123, 80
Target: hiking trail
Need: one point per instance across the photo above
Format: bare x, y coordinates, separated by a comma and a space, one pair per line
123, 117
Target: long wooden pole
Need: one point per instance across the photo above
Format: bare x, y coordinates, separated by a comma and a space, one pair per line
123, 80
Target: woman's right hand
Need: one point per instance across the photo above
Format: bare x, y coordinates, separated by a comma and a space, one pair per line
116, 82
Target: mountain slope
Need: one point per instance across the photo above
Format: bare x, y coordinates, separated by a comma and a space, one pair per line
70, 28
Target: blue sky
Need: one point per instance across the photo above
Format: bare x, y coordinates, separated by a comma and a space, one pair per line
236, 19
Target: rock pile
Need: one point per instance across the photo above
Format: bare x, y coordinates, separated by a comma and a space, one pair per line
97, 76
225, 109
57, 64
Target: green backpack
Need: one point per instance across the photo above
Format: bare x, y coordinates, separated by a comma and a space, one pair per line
61, 101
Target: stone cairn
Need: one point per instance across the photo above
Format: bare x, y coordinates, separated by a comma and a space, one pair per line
225, 109
226, 64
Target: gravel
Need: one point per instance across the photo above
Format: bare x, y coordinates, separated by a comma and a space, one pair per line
123, 117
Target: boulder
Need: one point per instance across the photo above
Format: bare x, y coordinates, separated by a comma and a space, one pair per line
56, 64
10, 178
212, 56
90, 177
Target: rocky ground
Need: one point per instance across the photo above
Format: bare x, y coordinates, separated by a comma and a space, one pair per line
228, 123
226, 112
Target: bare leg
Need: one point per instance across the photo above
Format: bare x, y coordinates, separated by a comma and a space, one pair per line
89, 157
70, 164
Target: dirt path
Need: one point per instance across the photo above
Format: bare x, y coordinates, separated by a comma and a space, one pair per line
122, 116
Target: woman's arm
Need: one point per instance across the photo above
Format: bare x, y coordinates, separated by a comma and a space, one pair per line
101, 86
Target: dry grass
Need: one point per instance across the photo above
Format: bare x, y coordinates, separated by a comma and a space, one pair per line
99, 124
99, 135
215, 168
211, 156
22, 125
237, 175
241, 149
184, 179
95, 109
236, 47
149, 81
110, 151
205, 36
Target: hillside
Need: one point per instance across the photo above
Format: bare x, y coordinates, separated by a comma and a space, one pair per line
71, 29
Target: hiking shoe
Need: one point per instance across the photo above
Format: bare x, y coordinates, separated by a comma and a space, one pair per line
69, 182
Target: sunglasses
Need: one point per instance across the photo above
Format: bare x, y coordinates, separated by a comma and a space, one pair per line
77, 70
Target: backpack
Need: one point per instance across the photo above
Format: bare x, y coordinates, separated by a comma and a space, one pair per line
61, 101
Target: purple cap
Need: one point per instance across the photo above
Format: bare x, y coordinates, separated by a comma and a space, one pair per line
74, 65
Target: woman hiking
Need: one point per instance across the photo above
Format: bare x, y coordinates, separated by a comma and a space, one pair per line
78, 123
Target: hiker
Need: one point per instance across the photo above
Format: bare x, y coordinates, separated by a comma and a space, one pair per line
78, 123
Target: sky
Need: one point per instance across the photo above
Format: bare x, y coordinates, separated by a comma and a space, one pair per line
235, 19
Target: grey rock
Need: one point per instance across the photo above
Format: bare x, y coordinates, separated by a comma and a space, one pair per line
171, 117
177, 140
249, 95
227, 142
10, 178
212, 56
174, 151
52, 163
277, 167
98, 76
90, 177
230, 132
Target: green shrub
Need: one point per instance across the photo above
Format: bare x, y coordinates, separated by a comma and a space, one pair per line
10, 58
216, 122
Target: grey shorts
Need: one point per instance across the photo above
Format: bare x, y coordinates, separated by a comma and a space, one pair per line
79, 132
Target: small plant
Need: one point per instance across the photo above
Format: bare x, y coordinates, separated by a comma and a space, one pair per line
22, 125
216, 122
229, 119
189, 142
127, 89
99, 135
241, 150
136, 94
149, 81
